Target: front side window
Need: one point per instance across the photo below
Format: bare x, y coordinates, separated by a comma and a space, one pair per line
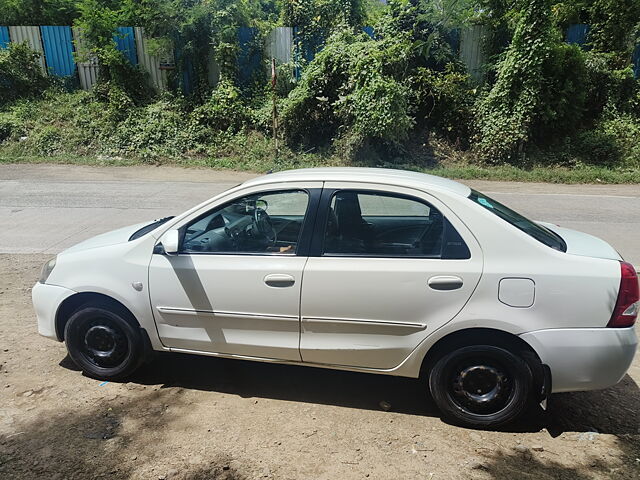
267, 223
532, 229
382, 224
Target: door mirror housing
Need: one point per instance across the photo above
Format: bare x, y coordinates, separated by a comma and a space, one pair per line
171, 242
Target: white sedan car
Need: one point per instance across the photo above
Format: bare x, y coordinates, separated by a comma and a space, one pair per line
368, 270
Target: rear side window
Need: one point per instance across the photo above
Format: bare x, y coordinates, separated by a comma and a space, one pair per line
381, 224
532, 229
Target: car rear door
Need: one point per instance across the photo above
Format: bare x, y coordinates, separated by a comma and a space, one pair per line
388, 267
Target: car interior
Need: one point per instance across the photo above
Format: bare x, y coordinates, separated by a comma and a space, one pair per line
388, 226
249, 225
359, 223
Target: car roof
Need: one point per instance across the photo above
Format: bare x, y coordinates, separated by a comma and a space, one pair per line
387, 176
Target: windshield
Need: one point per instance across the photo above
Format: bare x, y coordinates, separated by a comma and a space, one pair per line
147, 228
532, 229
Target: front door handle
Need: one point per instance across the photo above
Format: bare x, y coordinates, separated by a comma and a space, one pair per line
445, 283
279, 280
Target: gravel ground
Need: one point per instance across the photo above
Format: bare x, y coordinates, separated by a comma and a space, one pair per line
188, 417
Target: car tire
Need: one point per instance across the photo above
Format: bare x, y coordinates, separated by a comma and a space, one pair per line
103, 342
481, 386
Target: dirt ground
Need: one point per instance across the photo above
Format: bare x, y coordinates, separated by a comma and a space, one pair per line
188, 417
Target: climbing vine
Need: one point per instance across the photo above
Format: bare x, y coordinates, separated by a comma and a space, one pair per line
506, 113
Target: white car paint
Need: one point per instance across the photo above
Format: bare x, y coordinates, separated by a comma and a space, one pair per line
361, 314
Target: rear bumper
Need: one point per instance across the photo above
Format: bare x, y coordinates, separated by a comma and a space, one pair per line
46, 300
584, 358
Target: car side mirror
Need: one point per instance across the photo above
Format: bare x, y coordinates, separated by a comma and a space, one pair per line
171, 242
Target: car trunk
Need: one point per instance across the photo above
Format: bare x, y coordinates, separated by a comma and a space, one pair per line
583, 244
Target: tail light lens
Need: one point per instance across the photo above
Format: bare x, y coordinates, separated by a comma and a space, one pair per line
626, 311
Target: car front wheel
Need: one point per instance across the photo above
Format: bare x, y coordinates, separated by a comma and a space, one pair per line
481, 385
103, 343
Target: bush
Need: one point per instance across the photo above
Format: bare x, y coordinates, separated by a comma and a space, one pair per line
9, 127
354, 87
507, 113
378, 109
308, 115
20, 73
160, 129
564, 94
611, 143
608, 87
46, 140
596, 147
444, 103
224, 110
623, 130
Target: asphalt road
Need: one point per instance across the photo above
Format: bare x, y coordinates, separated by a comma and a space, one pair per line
47, 208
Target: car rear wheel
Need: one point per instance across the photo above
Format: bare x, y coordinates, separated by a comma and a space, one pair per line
103, 343
481, 385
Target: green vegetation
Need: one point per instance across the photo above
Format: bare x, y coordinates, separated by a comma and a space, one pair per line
547, 111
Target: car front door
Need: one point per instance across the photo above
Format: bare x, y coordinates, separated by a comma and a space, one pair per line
234, 287
388, 267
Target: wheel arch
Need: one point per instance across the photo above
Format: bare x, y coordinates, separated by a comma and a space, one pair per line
489, 336
74, 302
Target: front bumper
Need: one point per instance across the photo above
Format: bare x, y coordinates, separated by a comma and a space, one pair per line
46, 300
584, 358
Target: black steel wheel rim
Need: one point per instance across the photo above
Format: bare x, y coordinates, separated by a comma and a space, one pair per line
103, 343
480, 386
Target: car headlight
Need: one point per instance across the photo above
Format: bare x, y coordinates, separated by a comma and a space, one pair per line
47, 269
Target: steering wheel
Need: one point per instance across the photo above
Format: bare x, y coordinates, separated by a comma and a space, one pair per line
264, 225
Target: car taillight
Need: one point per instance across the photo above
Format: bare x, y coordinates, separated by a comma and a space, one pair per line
626, 311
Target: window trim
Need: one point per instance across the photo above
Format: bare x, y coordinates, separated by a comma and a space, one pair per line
317, 245
304, 240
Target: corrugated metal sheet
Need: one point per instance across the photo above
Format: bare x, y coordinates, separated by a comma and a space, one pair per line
471, 53
279, 45
58, 50
150, 63
31, 35
87, 67
577, 34
126, 43
4, 37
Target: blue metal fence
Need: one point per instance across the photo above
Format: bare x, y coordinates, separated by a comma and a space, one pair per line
4, 37
250, 56
185, 64
58, 50
577, 34
126, 43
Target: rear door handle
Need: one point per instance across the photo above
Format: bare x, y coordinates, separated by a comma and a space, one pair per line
279, 280
445, 283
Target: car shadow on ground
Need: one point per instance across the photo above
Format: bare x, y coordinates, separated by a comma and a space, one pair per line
614, 410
